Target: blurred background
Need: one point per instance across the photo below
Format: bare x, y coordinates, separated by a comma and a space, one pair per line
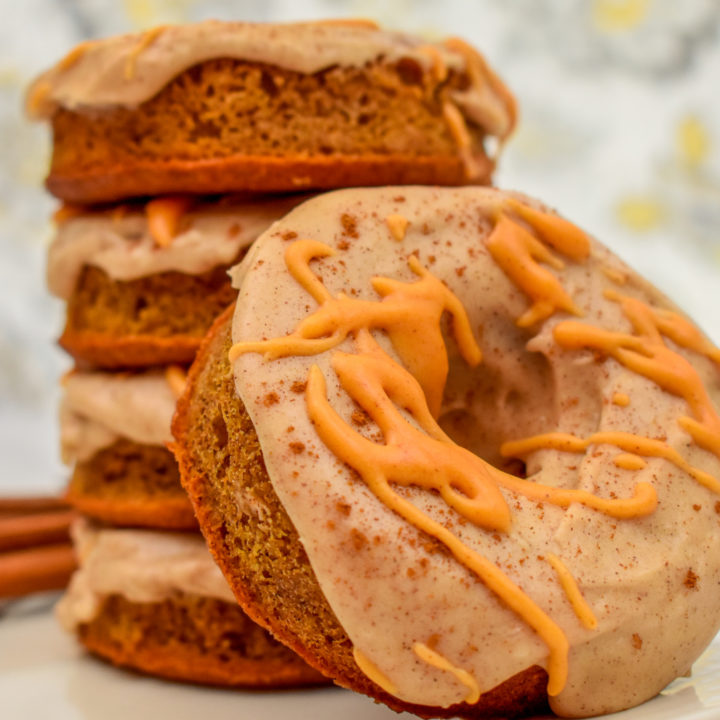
620, 128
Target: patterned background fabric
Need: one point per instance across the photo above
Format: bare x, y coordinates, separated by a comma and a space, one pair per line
620, 130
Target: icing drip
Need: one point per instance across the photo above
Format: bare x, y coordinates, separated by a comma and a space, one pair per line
616, 276
373, 672
145, 41
439, 68
459, 130
555, 231
498, 109
164, 215
397, 224
431, 657
579, 605
518, 252
176, 378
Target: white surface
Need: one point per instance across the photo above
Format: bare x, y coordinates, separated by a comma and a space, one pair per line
45, 675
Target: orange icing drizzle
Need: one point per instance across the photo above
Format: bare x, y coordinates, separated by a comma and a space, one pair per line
629, 461
439, 68
568, 583
646, 353
66, 212
620, 399
459, 130
421, 454
518, 251
431, 657
409, 312
482, 76
74, 55
350, 22
410, 456
397, 224
555, 231
145, 41
617, 276
41, 90
37, 96
373, 672
164, 215
642, 446
176, 378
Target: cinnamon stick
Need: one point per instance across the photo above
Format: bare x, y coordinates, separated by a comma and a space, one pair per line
36, 570
22, 531
29, 505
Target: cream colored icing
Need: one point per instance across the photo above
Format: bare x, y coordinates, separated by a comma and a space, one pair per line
129, 69
120, 243
387, 586
99, 408
144, 566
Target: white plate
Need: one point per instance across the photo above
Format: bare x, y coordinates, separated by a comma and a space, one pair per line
45, 676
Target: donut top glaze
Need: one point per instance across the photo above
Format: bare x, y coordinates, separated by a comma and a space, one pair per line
127, 70
141, 565
387, 432
166, 234
99, 408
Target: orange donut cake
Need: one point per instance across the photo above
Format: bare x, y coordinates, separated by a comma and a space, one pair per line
114, 429
156, 602
229, 106
144, 282
467, 461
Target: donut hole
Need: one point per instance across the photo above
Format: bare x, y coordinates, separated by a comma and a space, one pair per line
463, 427
506, 397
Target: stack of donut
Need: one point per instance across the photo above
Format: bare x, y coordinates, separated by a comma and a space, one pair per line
173, 151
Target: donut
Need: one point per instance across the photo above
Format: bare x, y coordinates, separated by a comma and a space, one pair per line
463, 459
228, 106
144, 281
155, 602
114, 431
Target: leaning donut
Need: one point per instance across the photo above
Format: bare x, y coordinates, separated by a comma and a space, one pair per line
468, 461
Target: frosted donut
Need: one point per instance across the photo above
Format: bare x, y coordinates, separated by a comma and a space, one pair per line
114, 429
494, 447
156, 603
260, 107
144, 281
